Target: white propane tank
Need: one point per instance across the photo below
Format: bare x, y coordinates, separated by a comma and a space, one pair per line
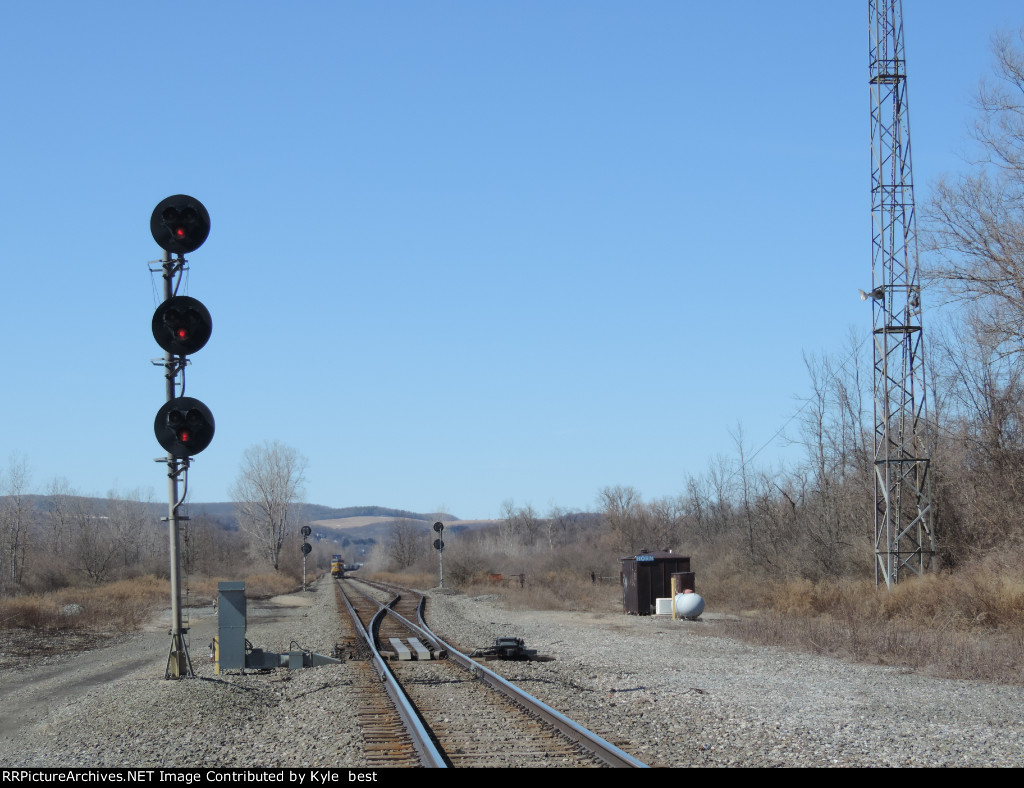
689, 605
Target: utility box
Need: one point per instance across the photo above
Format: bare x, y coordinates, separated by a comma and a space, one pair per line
648, 576
231, 625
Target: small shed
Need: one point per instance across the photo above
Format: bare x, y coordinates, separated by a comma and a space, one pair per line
647, 577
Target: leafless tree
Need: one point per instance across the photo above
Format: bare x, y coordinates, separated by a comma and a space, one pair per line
744, 474
778, 520
520, 525
15, 519
836, 470
59, 494
131, 524
94, 546
509, 524
406, 541
974, 223
665, 520
266, 492
981, 444
698, 503
210, 548
530, 525
561, 526
626, 517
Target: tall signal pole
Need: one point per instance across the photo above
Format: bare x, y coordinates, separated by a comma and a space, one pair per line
184, 426
904, 538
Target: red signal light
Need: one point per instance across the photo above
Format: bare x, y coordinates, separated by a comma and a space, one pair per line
181, 325
184, 427
180, 224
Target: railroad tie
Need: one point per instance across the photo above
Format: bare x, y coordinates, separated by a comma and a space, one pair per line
422, 652
400, 649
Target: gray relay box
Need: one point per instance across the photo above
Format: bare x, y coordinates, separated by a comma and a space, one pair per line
231, 624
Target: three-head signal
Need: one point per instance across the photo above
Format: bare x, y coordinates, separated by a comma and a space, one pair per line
181, 325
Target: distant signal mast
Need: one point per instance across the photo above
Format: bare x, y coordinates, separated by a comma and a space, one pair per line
904, 538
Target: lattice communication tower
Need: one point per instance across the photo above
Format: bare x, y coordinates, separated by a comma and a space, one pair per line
904, 537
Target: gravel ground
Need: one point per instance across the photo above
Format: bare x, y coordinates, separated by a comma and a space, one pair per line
668, 692
671, 694
79, 711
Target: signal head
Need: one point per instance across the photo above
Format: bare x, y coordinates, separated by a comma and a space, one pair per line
182, 325
180, 224
184, 427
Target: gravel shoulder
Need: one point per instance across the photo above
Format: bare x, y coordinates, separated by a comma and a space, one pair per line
112, 707
670, 693
673, 694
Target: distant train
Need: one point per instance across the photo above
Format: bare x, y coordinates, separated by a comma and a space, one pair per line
337, 566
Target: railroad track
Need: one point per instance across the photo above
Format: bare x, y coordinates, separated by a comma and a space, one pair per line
444, 709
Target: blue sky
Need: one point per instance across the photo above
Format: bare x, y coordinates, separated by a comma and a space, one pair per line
460, 251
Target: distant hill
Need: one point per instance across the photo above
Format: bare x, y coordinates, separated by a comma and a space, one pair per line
317, 512
223, 512
357, 535
314, 511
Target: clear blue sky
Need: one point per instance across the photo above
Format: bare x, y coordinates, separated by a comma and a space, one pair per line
461, 251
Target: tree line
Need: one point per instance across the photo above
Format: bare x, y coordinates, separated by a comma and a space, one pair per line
60, 537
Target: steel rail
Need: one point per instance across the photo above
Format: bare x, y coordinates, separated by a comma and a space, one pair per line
601, 748
421, 739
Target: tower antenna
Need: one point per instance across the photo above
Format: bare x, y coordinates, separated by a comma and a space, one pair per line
904, 538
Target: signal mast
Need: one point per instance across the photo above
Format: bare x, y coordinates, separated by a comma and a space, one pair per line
184, 426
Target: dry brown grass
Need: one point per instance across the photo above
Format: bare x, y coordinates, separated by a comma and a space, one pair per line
123, 605
408, 579
261, 585
562, 591
548, 590
268, 584
116, 607
968, 624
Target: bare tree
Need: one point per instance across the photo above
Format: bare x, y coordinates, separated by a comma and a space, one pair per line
92, 540
625, 515
209, 548
59, 493
981, 445
131, 524
405, 542
698, 504
15, 519
559, 525
509, 525
665, 519
748, 517
520, 526
267, 490
720, 478
975, 222
530, 525
836, 469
